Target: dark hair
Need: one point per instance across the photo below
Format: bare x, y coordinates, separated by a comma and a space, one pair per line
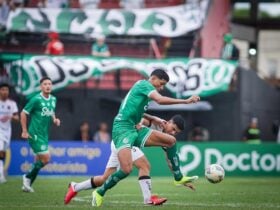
44, 78
179, 121
161, 74
4, 84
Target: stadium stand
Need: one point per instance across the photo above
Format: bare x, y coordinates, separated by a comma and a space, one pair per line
109, 4
162, 3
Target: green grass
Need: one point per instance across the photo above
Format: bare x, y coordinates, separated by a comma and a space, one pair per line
233, 193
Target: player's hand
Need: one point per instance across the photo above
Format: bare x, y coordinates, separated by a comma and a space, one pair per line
193, 99
138, 126
190, 186
158, 121
56, 121
24, 135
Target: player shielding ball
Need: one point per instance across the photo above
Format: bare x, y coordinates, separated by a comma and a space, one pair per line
172, 127
125, 134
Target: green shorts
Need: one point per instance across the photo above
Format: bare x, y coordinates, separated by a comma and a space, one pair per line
38, 145
124, 134
143, 135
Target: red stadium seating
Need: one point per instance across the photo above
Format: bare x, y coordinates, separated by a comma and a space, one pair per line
109, 4
162, 3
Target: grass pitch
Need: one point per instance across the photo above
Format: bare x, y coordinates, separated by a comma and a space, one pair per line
233, 193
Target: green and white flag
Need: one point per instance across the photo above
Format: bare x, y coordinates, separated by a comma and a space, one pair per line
187, 76
167, 22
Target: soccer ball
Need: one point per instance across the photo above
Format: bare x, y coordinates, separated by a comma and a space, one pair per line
214, 173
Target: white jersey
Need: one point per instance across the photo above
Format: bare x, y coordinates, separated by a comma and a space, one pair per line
156, 127
7, 108
136, 153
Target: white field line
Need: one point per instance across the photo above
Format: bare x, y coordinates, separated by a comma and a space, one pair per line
87, 199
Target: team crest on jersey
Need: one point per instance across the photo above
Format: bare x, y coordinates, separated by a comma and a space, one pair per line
146, 107
43, 147
53, 103
125, 140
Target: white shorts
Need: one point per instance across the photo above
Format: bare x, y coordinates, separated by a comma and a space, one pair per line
113, 161
4, 145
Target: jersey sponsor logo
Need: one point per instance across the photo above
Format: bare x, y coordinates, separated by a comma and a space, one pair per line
46, 112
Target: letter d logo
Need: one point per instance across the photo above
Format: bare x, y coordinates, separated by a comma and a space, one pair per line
185, 153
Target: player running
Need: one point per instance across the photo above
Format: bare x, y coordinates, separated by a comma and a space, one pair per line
41, 109
172, 127
125, 135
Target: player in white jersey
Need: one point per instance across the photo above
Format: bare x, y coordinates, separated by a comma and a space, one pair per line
8, 113
139, 160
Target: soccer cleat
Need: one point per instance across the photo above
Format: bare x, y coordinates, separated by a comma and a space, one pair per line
26, 185
185, 179
155, 200
70, 193
96, 199
3, 180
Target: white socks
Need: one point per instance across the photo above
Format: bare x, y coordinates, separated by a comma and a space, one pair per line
85, 185
146, 187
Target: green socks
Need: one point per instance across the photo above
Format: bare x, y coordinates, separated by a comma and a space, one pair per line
111, 181
175, 162
33, 172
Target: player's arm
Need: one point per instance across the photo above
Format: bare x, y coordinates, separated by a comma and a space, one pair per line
23, 123
149, 119
15, 117
163, 100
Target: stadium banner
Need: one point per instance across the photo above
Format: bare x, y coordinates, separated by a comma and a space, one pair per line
67, 158
200, 76
168, 21
77, 158
238, 159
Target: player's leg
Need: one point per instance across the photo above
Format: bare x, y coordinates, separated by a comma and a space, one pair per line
157, 138
124, 137
4, 146
125, 159
40, 148
96, 181
143, 165
2, 158
91, 183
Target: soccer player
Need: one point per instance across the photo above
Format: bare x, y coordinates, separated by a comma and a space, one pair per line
8, 113
172, 127
41, 110
125, 134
